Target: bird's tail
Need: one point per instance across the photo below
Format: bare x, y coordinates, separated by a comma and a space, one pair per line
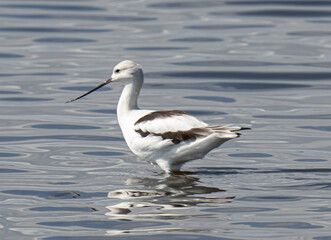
227, 131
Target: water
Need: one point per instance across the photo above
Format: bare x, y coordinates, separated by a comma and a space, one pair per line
66, 172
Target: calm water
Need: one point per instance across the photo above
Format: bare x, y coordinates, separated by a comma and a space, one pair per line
66, 172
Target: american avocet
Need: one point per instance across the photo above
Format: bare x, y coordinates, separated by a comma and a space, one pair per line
168, 138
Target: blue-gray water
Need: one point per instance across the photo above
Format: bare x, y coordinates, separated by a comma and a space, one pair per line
66, 172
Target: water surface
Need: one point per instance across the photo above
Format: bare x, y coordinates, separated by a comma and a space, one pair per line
66, 172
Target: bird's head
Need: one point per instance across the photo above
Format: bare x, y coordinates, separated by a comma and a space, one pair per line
126, 71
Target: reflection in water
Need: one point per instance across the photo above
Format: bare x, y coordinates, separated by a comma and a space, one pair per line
162, 194
159, 199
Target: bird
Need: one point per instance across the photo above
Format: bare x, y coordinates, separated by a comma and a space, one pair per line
167, 138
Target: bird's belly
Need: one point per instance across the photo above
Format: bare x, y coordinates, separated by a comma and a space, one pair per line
196, 149
147, 148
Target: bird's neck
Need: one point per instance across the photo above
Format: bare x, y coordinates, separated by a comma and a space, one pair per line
129, 98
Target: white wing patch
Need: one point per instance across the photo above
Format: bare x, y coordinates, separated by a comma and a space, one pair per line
167, 121
179, 126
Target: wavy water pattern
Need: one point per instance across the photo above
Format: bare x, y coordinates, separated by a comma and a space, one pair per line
65, 170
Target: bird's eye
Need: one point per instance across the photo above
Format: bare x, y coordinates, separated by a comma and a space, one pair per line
117, 70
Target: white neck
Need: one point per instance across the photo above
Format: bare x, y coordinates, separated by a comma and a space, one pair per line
129, 98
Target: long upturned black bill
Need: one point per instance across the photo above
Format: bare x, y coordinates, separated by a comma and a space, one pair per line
101, 85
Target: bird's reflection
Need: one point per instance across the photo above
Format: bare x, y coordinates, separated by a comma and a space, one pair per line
170, 197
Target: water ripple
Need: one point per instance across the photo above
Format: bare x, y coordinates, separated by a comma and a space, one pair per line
226, 27
8, 155
312, 33
84, 88
302, 76
204, 112
121, 18
103, 111
64, 40
103, 224
10, 55
233, 86
52, 30
6, 170
10, 92
284, 224
319, 128
212, 98
286, 3
250, 155
186, 4
54, 194
296, 116
241, 209
229, 63
196, 39
47, 7
270, 199
64, 126
25, 99
156, 48
284, 13
59, 137
162, 236
104, 154
62, 209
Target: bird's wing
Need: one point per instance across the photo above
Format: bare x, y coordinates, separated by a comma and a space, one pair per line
171, 124
167, 121
179, 126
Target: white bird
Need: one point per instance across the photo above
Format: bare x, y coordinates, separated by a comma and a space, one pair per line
167, 138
